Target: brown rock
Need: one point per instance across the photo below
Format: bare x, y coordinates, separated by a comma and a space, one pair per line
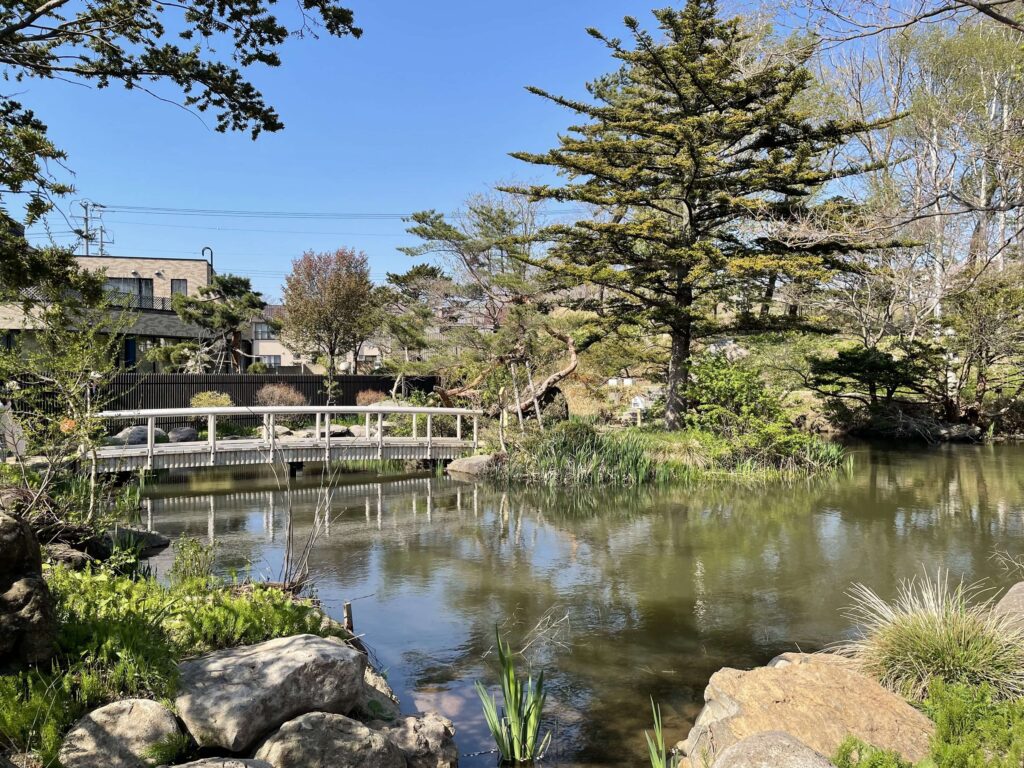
27, 619
1012, 603
819, 700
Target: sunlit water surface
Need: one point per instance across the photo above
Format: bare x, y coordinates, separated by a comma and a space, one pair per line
638, 593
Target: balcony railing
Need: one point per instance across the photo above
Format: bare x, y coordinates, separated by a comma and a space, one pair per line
135, 301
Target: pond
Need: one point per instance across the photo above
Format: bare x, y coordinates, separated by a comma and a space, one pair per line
621, 595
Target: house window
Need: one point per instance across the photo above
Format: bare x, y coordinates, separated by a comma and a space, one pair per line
271, 361
138, 290
179, 286
263, 332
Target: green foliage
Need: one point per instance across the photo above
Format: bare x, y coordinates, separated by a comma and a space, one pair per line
122, 636
933, 631
516, 730
733, 404
211, 399
871, 375
257, 367
659, 754
193, 562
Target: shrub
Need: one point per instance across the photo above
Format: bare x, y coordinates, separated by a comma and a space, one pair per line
934, 632
258, 367
193, 561
370, 397
280, 394
211, 399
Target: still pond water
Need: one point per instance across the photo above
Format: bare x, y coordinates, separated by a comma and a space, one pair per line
635, 593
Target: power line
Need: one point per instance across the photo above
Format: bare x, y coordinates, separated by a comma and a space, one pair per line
250, 229
154, 210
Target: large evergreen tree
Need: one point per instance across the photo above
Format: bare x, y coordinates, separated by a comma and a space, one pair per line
696, 155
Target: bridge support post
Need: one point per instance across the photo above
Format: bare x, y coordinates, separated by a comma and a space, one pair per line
317, 433
150, 441
380, 435
476, 441
211, 437
415, 418
458, 426
327, 438
430, 436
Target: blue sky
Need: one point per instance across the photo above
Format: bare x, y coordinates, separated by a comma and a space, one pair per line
418, 113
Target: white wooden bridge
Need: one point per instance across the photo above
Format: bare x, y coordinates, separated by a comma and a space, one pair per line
368, 440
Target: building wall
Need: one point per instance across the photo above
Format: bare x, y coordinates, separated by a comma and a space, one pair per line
196, 271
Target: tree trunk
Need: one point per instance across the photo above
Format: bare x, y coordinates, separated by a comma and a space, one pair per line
678, 376
331, 367
769, 294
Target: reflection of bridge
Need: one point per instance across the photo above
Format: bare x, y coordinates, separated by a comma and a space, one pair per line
325, 500
325, 441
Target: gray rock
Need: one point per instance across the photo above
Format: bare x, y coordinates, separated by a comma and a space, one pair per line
183, 435
118, 735
226, 762
428, 741
773, 749
230, 698
66, 555
472, 466
1012, 603
27, 620
357, 430
322, 740
376, 699
136, 436
147, 542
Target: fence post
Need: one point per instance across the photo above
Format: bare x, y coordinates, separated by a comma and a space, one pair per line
211, 436
272, 433
415, 418
380, 435
367, 426
430, 435
327, 437
316, 435
476, 442
458, 427
150, 440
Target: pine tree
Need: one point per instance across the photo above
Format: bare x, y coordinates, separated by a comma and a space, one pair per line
694, 153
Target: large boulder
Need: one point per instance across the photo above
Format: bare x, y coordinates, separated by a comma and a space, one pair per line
471, 466
322, 740
818, 699
137, 436
773, 749
119, 735
28, 623
1012, 603
183, 435
376, 700
230, 698
428, 741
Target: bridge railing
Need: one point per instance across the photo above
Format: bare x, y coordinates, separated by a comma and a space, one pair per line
374, 420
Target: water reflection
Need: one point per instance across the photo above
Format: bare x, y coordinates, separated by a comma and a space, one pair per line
660, 587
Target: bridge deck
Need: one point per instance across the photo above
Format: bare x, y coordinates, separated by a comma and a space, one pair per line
230, 452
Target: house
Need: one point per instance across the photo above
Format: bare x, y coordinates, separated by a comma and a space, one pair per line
143, 285
262, 343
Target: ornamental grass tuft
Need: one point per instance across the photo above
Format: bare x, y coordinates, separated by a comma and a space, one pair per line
935, 631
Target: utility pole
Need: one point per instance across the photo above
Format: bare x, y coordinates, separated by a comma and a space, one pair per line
88, 235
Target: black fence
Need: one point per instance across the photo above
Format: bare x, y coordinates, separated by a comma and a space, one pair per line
130, 391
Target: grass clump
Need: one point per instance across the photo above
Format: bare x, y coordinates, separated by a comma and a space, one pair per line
933, 631
575, 453
516, 728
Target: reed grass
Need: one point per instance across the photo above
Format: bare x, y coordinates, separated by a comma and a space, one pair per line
935, 631
516, 728
656, 749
